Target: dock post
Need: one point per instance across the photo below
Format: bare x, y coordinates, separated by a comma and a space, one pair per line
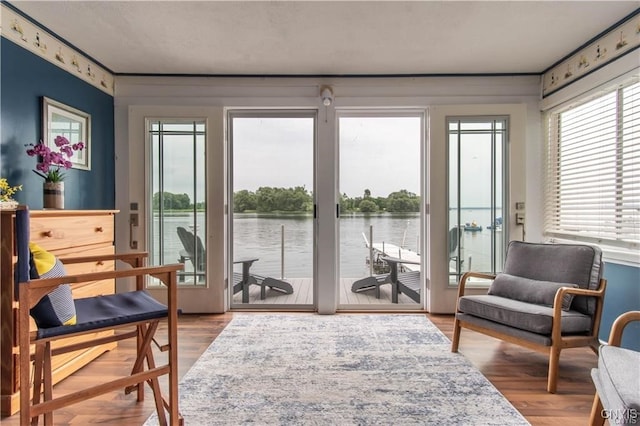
282, 251
370, 250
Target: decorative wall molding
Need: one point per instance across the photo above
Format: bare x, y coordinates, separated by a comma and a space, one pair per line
24, 33
613, 44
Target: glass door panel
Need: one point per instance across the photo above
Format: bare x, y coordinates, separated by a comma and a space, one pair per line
177, 197
476, 195
272, 225
380, 215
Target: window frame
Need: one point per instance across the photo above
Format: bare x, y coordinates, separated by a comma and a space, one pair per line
614, 249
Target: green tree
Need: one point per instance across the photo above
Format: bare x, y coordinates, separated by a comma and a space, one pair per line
244, 200
346, 203
265, 199
403, 201
381, 202
296, 199
171, 201
368, 206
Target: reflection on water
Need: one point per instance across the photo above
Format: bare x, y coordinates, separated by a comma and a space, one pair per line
261, 236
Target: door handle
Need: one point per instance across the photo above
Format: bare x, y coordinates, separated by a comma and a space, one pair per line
133, 221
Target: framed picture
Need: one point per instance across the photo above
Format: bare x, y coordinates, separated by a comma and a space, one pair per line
59, 119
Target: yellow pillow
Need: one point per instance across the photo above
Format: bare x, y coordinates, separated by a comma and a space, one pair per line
56, 308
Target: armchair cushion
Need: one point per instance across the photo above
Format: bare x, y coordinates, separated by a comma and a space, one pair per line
56, 308
522, 315
530, 291
617, 379
560, 263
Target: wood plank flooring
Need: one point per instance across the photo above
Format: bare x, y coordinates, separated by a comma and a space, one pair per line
518, 373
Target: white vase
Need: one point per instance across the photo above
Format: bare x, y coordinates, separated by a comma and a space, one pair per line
8, 205
53, 195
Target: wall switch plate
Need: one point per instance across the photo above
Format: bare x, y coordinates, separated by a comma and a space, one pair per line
520, 205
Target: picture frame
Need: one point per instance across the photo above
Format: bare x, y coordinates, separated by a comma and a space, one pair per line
59, 119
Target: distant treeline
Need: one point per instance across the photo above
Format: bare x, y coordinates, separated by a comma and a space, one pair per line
171, 201
269, 199
298, 199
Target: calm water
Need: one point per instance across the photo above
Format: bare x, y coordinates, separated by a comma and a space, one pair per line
260, 236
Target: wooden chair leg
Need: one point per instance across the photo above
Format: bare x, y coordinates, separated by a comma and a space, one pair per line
48, 383
37, 378
456, 335
145, 337
142, 330
554, 362
155, 387
596, 418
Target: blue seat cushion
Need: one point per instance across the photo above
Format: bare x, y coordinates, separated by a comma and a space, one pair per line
525, 316
111, 310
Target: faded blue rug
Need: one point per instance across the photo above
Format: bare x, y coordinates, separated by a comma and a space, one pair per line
304, 369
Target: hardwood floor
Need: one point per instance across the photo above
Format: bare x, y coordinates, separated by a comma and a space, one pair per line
520, 374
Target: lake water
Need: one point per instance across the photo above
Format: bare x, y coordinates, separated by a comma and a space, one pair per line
261, 235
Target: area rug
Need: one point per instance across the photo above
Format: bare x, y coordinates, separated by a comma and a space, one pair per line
357, 369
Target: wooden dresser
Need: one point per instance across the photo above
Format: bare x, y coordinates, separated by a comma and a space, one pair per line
66, 233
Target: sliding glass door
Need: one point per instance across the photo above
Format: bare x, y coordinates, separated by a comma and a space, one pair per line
380, 209
272, 208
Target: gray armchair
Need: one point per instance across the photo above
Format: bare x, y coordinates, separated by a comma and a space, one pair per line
548, 298
617, 379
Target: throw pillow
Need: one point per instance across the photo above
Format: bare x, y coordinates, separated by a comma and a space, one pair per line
530, 291
57, 307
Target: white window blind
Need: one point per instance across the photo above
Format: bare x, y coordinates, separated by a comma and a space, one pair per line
593, 170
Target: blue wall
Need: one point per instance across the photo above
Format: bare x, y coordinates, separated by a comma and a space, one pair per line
24, 79
622, 295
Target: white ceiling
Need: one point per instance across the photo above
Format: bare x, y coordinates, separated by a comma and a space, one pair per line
327, 37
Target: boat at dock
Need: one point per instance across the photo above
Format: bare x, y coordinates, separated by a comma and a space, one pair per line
472, 227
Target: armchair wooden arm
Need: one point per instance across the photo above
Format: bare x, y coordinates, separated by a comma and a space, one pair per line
615, 338
556, 333
463, 280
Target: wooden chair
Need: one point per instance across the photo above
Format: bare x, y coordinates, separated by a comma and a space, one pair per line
408, 283
133, 314
548, 298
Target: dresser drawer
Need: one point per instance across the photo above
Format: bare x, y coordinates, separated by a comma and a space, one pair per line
80, 268
52, 233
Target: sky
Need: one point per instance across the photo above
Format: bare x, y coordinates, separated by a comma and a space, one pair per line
379, 154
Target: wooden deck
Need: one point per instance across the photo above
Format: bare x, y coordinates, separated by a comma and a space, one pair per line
303, 294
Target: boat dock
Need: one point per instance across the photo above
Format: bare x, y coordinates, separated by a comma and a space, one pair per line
392, 250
